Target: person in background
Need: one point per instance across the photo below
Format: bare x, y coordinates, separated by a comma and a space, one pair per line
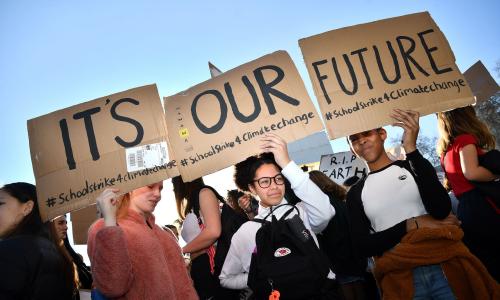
463, 139
31, 267
198, 206
232, 200
243, 203
336, 241
59, 227
131, 256
370, 283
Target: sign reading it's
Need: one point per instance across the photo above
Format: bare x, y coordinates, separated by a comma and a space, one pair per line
117, 141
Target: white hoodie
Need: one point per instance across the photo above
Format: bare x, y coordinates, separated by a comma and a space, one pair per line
315, 212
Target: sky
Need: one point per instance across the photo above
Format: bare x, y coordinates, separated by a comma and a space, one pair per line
55, 54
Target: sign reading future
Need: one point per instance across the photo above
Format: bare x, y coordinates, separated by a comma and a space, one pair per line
361, 73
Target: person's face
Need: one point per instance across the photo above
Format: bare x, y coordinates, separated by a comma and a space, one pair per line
61, 227
12, 212
274, 193
369, 145
144, 200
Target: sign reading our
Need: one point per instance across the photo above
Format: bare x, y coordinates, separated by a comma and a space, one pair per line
218, 123
361, 73
116, 141
342, 165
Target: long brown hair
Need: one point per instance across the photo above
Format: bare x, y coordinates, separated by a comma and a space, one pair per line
327, 185
462, 121
68, 267
183, 194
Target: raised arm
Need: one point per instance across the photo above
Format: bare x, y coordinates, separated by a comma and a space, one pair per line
111, 266
316, 203
434, 197
107, 249
470, 165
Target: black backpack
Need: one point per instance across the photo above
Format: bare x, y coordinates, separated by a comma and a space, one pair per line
287, 259
230, 223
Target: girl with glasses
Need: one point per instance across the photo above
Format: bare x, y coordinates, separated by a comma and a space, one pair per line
264, 176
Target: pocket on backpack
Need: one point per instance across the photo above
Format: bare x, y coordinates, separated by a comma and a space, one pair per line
295, 277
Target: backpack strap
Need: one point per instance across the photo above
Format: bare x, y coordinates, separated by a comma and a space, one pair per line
289, 211
263, 220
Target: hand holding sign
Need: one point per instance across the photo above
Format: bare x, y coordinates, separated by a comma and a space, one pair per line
116, 141
277, 146
408, 120
108, 202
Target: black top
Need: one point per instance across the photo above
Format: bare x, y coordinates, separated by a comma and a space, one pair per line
31, 268
335, 240
434, 198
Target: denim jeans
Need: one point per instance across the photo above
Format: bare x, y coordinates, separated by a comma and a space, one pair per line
429, 282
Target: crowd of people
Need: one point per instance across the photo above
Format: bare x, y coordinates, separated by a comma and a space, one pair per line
284, 233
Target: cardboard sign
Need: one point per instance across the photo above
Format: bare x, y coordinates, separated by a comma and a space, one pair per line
116, 141
342, 165
483, 86
81, 220
218, 123
361, 73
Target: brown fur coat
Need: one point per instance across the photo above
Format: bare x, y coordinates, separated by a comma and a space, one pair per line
467, 276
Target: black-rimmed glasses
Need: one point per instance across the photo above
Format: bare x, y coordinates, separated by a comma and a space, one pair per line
265, 182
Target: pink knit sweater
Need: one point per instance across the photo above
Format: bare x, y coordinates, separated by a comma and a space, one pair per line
134, 261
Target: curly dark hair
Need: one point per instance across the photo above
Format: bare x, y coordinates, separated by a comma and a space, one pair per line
244, 172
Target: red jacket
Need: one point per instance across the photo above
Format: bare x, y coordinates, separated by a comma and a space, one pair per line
135, 261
